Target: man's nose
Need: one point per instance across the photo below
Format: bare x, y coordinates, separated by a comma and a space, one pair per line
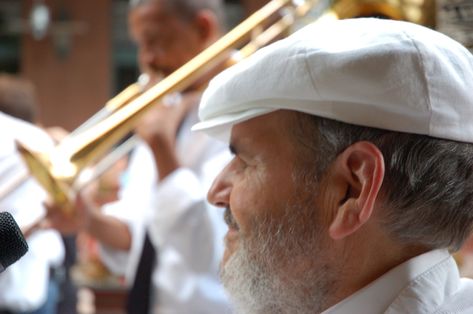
149, 57
219, 192
146, 56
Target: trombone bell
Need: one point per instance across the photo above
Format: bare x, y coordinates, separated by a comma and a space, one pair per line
41, 166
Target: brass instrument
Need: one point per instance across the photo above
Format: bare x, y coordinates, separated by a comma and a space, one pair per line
13, 178
58, 170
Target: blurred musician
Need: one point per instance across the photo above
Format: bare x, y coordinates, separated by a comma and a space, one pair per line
164, 198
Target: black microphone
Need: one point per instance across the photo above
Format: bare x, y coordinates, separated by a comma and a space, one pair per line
12, 243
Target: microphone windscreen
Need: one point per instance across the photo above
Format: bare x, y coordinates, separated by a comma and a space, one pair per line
12, 243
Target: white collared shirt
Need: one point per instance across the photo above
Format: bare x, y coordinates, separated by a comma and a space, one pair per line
427, 284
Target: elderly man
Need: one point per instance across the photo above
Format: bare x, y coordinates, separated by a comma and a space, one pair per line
351, 180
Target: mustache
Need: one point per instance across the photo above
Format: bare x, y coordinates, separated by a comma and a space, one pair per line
159, 71
229, 219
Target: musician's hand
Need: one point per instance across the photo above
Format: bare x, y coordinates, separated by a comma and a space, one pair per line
159, 128
57, 133
161, 122
87, 217
68, 222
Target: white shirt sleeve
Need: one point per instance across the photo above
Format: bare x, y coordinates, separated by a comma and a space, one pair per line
125, 262
132, 208
188, 233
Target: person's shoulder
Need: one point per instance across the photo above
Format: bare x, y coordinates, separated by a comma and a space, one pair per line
14, 129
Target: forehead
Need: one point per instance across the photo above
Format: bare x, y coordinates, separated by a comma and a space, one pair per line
148, 10
150, 15
267, 132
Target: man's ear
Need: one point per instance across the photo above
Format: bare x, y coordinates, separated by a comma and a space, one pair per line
359, 171
206, 24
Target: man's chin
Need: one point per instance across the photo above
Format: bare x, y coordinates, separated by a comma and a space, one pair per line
231, 245
242, 282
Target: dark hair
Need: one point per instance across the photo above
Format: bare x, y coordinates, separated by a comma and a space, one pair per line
428, 184
17, 98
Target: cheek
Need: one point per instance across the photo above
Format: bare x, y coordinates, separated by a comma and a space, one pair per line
250, 198
187, 53
187, 47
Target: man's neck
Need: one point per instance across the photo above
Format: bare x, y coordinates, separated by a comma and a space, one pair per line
370, 260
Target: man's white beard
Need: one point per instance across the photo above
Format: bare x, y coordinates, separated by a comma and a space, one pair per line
261, 277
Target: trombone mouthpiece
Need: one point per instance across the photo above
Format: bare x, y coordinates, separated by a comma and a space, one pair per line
143, 79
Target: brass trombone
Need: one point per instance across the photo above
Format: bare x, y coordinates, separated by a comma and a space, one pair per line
58, 170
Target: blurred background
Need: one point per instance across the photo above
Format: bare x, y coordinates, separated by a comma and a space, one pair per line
76, 53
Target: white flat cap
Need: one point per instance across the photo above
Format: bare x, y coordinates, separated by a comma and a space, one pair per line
378, 73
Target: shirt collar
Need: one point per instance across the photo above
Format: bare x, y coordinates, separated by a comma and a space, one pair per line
376, 297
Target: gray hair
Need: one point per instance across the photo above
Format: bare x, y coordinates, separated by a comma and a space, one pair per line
188, 9
428, 183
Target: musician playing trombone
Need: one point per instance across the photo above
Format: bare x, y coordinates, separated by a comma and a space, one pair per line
164, 200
